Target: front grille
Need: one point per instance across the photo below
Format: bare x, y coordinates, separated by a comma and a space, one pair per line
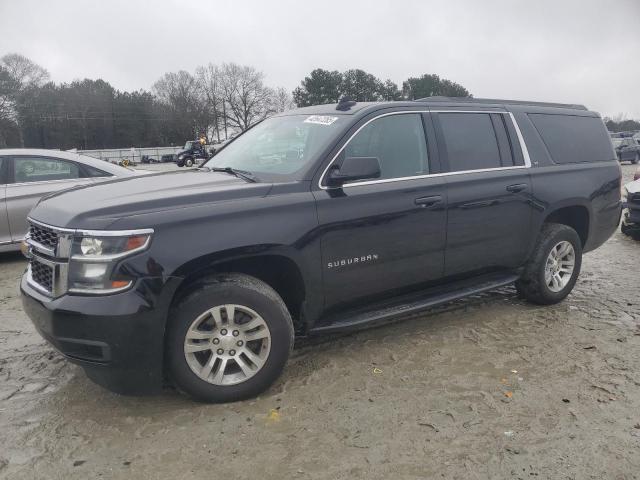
634, 197
42, 275
43, 236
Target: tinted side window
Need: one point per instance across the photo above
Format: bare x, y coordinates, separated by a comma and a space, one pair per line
573, 139
94, 172
399, 143
42, 169
470, 141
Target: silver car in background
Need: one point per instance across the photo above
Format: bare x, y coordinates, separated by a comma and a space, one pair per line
26, 175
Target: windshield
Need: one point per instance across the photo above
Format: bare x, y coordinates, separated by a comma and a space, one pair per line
187, 146
617, 142
282, 146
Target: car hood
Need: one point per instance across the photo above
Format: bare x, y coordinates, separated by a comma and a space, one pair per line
98, 206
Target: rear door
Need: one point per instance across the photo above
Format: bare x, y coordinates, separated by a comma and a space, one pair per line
489, 191
32, 177
5, 233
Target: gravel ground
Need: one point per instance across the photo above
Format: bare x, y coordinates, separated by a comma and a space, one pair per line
488, 387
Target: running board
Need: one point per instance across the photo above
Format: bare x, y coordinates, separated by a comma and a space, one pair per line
413, 303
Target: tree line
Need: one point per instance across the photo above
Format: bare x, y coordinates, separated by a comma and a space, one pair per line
214, 101
324, 86
621, 124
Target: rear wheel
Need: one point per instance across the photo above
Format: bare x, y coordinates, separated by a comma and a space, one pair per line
554, 266
229, 339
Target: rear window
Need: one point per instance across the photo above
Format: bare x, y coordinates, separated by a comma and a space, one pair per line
470, 140
573, 139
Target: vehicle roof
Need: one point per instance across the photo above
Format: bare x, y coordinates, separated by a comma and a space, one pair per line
73, 156
361, 108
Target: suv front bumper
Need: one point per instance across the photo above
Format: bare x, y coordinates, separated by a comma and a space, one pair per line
117, 339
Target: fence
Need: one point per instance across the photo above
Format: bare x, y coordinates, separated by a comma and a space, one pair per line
114, 155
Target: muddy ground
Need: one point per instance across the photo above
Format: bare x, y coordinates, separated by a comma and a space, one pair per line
489, 387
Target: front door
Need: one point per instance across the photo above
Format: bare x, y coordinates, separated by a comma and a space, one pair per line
33, 177
489, 191
385, 234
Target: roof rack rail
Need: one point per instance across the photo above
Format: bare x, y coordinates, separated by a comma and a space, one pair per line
499, 101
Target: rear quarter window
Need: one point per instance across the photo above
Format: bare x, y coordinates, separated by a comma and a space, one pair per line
573, 139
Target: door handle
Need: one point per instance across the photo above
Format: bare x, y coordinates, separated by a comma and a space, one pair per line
518, 187
428, 201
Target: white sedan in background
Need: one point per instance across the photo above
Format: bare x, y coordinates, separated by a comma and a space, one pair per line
28, 174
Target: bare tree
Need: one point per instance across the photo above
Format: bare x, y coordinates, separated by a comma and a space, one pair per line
23, 71
247, 99
17, 75
210, 83
181, 92
282, 100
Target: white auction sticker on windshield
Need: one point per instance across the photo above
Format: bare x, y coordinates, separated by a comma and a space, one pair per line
321, 119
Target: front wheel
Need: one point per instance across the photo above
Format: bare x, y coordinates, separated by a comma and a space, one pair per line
554, 266
229, 339
188, 162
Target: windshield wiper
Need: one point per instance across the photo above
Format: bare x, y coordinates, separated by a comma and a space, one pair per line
248, 176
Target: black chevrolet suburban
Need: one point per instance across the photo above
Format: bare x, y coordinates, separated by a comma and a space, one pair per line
317, 220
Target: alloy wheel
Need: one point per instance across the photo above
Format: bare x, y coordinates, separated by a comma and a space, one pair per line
559, 266
227, 344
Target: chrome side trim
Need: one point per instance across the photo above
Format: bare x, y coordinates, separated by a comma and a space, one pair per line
50, 182
113, 256
523, 147
106, 291
113, 233
38, 246
51, 227
429, 175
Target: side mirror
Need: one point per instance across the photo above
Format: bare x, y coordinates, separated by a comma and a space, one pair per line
354, 168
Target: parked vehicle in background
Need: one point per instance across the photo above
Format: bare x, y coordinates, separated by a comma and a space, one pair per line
194, 152
317, 220
26, 175
631, 204
627, 149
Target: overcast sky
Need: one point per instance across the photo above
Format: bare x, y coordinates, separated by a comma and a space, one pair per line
577, 51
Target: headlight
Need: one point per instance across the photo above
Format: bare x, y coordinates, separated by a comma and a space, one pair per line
180, 157
94, 256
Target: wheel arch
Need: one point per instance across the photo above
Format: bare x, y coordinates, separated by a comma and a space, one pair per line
576, 215
278, 269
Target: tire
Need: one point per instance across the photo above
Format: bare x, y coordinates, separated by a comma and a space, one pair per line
188, 162
635, 234
242, 375
532, 284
